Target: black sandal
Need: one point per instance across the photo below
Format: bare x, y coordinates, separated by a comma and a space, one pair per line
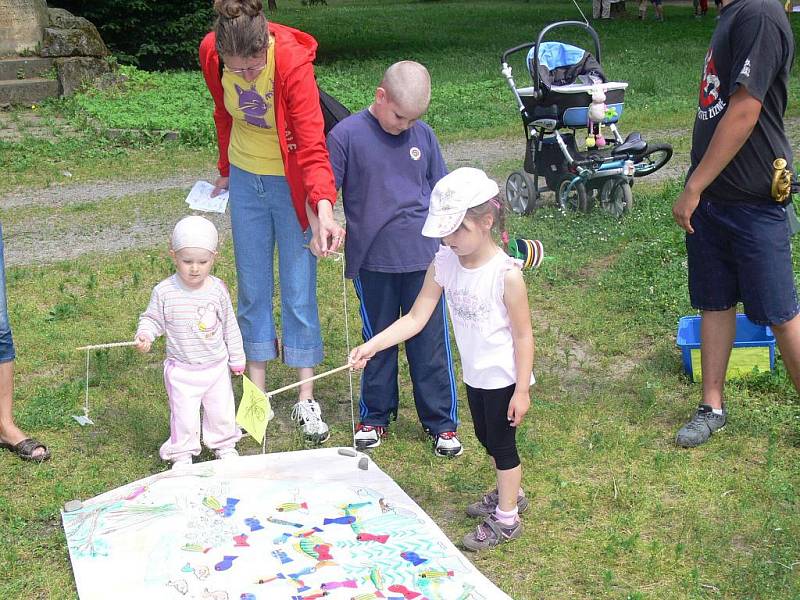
26, 448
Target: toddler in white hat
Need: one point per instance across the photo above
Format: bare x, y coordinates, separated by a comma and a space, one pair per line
193, 309
488, 304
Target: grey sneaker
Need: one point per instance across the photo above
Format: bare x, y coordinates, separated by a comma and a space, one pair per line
309, 416
703, 424
487, 505
491, 533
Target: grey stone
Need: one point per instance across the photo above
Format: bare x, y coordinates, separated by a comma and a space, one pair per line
21, 25
27, 91
75, 72
63, 19
73, 42
73, 505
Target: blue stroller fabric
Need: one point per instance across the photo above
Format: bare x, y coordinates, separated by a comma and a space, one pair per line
563, 64
555, 54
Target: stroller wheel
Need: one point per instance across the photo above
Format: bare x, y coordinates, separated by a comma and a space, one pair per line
616, 197
656, 156
572, 197
521, 193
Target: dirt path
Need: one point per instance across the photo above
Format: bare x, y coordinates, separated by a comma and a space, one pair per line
31, 241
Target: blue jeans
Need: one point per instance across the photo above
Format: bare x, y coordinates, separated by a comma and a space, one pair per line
7, 352
262, 215
742, 253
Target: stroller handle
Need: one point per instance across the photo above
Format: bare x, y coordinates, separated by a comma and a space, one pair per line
557, 25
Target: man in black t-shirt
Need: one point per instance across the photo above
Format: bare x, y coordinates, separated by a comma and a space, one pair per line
738, 241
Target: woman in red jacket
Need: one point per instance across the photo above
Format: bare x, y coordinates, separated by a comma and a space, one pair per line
273, 160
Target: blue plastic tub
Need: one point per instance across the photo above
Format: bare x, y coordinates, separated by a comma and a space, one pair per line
754, 347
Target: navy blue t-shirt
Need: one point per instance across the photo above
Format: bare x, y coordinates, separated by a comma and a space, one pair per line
753, 47
386, 182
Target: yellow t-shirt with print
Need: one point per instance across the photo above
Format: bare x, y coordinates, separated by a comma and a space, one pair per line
254, 143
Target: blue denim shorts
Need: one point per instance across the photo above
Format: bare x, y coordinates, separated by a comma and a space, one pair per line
742, 253
7, 352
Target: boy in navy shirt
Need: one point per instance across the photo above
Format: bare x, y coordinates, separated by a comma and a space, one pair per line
386, 162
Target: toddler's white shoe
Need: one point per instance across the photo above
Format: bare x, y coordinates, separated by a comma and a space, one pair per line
226, 453
183, 462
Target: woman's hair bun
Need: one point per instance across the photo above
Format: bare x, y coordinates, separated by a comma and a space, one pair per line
231, 9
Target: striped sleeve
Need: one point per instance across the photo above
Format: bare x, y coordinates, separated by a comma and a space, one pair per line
151, 321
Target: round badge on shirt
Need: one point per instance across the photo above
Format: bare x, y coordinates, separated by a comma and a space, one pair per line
415, 153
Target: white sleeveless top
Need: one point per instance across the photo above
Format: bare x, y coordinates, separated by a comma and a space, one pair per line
480, 319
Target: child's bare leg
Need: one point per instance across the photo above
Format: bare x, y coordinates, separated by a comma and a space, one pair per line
508, 483
306, 390
257, 372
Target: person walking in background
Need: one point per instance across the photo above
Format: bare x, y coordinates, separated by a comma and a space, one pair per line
737, 233
272, 159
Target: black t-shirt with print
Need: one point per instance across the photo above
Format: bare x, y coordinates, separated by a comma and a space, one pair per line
753, 47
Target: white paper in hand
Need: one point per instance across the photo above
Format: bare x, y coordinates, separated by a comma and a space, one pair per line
199, 198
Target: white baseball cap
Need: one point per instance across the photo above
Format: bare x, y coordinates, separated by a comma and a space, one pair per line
194, 232
453, 195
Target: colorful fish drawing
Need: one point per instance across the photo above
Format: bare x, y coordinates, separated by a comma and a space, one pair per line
376, 577
230, 507
313, 548
282, 522
339, 521
240, 540
368, 596
310, 596
369, 537
247, 596
308, 532
281, 556
291, 506
225, 564
195, 548
253, 524
202, 572
404, 591
212, 503
332, 585
281, 538
271, 579
187, 568
355, 505
414, 558
435, 574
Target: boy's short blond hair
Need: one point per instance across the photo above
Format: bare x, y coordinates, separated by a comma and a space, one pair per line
408, 84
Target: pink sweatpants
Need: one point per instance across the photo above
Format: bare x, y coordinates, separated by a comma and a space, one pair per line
189, 387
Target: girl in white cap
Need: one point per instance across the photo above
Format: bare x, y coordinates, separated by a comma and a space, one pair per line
488, 304
193, 309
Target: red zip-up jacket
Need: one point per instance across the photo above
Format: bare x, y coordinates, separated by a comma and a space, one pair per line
298, 117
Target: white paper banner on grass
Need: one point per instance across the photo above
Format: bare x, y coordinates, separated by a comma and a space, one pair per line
266, 527
199, 198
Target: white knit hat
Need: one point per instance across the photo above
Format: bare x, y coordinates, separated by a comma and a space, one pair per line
453, 195
194, 232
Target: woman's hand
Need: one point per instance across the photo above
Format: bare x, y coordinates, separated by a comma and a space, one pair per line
518, 407
328, 234
220, 186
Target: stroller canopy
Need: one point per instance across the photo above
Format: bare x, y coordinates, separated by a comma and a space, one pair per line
563, 64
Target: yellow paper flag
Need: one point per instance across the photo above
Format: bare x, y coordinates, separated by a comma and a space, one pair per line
254, 410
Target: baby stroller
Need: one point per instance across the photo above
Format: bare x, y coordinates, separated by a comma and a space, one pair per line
571, 92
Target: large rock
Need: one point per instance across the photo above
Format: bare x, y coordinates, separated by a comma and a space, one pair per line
69, 35
22, 23
75, 72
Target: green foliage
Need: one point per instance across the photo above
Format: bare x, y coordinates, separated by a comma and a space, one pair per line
150, 34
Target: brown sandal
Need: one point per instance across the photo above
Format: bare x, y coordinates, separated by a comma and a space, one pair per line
26, 448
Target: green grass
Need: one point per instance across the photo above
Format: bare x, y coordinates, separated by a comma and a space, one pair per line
618, 510
460, 41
